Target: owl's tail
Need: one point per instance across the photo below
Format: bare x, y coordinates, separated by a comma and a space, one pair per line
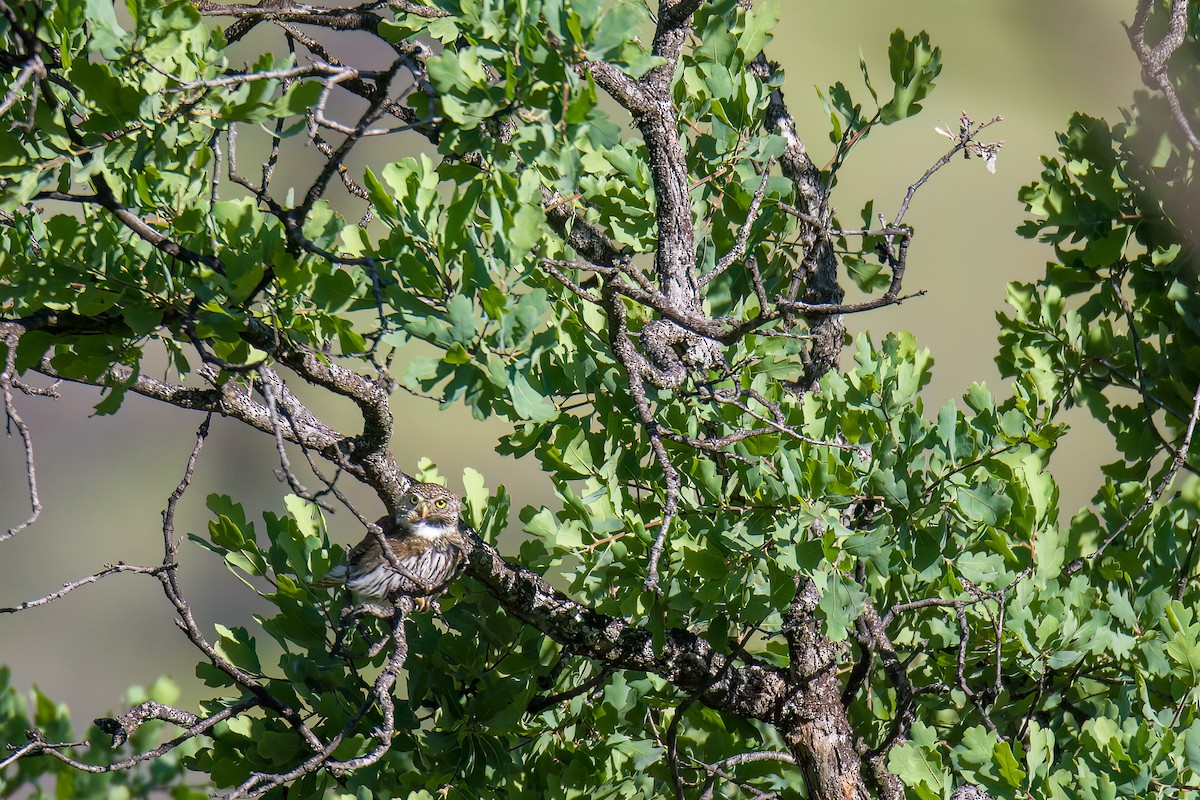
335, 577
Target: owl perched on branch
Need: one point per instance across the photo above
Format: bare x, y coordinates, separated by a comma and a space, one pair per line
424, 537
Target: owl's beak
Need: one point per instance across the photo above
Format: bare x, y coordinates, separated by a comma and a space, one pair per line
423, 511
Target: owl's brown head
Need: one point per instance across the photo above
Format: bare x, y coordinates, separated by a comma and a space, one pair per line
429, 510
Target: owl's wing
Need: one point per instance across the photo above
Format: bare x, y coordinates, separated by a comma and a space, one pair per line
368, 549
365, 552
362, 560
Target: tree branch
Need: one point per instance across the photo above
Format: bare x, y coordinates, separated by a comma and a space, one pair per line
686, 660
67, 588
813, 720
1177, 462
817, 273
7, 379
1154, 58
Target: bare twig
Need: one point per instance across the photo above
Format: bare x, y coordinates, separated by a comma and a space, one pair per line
259, 782
966, 138
635, 367
7, 380
672, 742
964, 638
267, 386
67, 588
739, 246
34, 68
292, 73
187, 622
719, 769
539, 704
39, 745
373, 112
816, 273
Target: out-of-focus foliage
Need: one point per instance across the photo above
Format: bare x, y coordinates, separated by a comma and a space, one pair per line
1111, 654
48, 778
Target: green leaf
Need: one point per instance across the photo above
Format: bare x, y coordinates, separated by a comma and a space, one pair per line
868, 276
306, 514
980, 568
1040, 751
528, 403
914, 65
476, 494
841, 603
545, 526
239, 647
141, 319
1191, 746
759, 21
107, 33
1006, 763
457, 355
983, 504
463, 319
528, 224
1184, 651
920, 770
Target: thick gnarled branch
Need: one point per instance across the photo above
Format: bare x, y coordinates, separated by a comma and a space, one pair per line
688, 661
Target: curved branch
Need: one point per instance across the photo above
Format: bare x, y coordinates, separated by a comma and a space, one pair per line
1154, 58
37, 744
365, 456
1177, 461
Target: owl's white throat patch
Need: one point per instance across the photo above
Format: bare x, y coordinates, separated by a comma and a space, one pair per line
427, 531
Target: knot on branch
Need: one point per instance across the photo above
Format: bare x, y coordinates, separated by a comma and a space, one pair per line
672, 352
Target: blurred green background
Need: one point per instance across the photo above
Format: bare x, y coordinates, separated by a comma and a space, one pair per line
105, 480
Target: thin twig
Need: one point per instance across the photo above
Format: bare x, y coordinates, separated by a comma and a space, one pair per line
718, 769
673, 728
267, 387
259, 782
967, 135
39, 745
186, 621
539, 704
1177, 463
67, 588
739, 246
7, 379
33, 69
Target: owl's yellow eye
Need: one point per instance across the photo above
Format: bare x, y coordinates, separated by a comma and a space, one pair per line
440, 503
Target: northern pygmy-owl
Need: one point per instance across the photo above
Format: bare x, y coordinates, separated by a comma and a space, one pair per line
424, 537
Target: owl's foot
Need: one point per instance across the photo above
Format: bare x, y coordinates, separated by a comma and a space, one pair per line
430, 604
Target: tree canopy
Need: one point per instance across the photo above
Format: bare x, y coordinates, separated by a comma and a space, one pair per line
772, 571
